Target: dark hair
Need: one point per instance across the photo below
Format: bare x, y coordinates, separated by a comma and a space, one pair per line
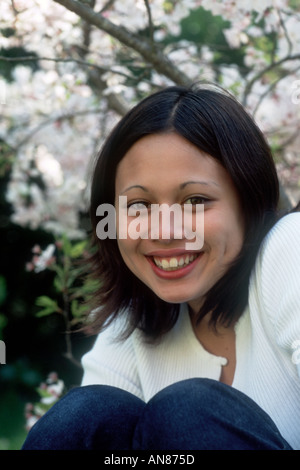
216, 123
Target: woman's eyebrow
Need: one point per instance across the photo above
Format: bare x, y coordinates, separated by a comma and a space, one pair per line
134, 186
206, 183
182, 186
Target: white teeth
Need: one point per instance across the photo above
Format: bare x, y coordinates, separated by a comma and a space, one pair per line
165, 264
172, 264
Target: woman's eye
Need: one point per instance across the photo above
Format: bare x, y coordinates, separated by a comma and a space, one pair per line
138, 205
196, 200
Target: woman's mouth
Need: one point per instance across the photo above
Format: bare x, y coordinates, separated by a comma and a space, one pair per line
173, 266
175, 262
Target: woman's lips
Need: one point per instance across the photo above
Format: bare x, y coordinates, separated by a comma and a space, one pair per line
173, 265
174, 262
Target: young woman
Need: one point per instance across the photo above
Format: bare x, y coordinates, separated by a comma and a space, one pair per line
198, 337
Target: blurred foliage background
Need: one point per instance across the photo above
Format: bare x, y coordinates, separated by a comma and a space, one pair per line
35, 346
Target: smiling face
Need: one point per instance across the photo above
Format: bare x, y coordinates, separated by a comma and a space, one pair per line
167, 169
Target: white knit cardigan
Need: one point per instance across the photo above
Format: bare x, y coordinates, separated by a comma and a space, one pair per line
267, 342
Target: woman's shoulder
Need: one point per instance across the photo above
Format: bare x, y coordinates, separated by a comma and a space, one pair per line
282, 240
275, 281
278, 262
286, 225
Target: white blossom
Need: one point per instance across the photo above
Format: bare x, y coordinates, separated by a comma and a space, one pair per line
41, 261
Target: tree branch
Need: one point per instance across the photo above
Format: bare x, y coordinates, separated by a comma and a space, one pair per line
51, 120
151, 27
57, 59
271, 87
98, 84
159, 61
267, 69
287, 37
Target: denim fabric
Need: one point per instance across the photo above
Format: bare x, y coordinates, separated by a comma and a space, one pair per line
195, 414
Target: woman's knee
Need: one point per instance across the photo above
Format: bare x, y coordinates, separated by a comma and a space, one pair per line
198, 414
175, 415
195, 394
87, 418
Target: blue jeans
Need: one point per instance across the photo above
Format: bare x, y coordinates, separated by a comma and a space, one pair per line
195, 414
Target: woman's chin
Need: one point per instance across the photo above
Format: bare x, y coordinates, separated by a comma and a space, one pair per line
174, 298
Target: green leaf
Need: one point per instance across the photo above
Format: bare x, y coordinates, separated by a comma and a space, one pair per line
88, 288
58, 284
72, 276
45, 312
59, 270
76, 309
50, 306
78, 249
67, 246
91, 285
45, 301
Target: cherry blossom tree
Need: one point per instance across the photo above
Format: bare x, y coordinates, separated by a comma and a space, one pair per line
71, 68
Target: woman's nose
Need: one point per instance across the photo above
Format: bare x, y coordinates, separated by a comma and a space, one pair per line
166, 222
